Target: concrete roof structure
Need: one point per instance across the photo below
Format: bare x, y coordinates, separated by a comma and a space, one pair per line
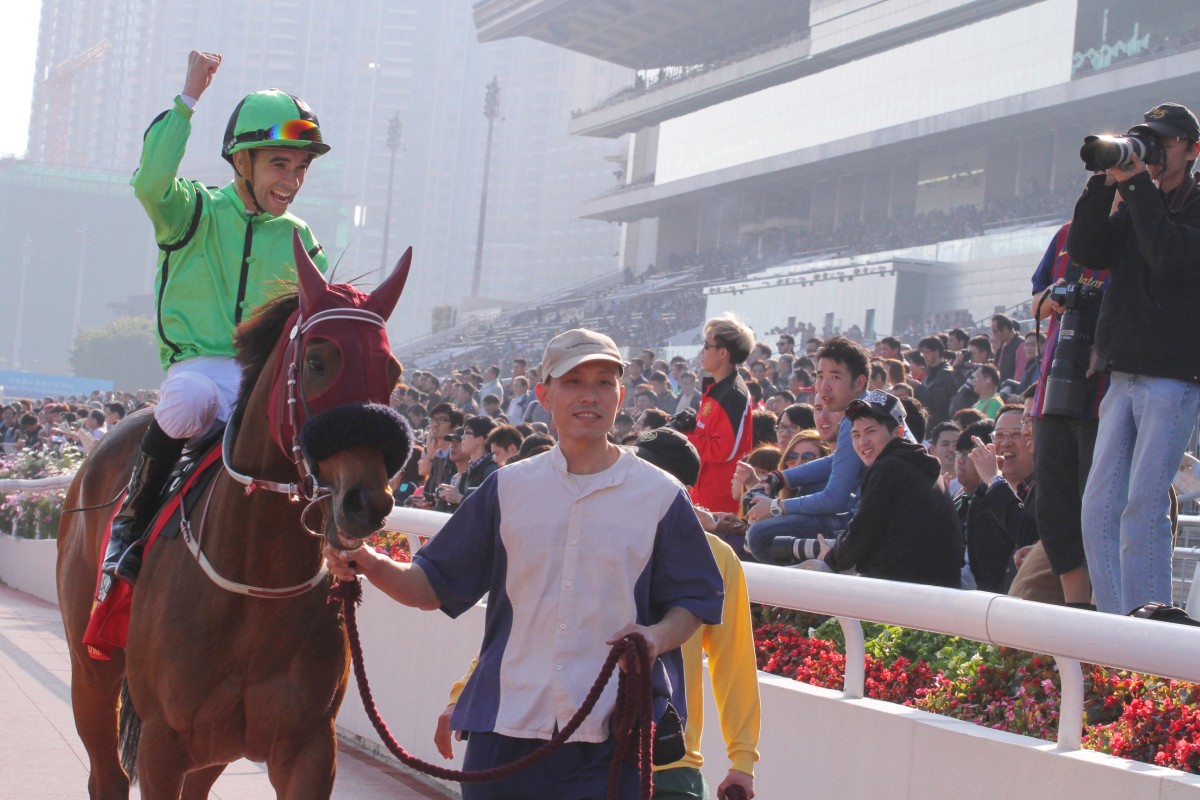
642, 34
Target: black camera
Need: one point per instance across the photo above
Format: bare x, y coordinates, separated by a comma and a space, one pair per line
684, 421
748, 499
1101, 152
1067, 386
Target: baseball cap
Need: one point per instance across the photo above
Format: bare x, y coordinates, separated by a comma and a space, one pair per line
455, 435
877, 404
1172, 119
670, 451
577, 346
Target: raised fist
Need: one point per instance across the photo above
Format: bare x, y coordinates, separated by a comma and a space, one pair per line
201, 68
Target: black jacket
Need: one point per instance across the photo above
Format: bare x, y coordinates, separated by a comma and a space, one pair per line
937, 388
469, 480
476, 473
906, 528
999, 523
1154, 291
1006, 358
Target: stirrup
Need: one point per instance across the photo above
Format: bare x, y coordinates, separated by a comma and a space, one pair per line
132, 522
125, 564
129, 564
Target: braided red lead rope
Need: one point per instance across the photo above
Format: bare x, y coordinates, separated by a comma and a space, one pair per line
632, 724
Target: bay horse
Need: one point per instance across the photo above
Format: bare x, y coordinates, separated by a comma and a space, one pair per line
217, 675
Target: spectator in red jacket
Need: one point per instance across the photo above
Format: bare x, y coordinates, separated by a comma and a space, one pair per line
722, 432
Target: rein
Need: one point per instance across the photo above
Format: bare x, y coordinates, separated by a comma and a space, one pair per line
295, 491
632, 723
193, 545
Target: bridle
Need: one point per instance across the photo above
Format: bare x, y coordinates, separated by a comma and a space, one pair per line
308, 487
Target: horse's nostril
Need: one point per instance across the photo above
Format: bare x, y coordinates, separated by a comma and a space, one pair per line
353, 502
359, 509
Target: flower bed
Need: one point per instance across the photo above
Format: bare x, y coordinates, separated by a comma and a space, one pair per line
1144, 718
35, 514
392, 544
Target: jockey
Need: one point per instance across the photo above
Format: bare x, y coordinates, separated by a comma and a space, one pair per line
220, 253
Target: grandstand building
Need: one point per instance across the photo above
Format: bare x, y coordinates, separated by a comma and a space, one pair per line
849, 163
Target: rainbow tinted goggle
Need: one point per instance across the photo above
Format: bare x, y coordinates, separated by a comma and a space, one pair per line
295, 130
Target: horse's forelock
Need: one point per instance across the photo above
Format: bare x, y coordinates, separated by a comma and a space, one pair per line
256, 339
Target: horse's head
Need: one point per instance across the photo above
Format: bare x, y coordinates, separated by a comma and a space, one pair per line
328, 408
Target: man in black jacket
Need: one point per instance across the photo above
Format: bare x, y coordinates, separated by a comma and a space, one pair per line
1001, 519
905, 528
937, 387
1008, 347
1151, 246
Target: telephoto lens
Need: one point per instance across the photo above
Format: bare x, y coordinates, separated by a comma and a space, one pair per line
1102, 152
1068, 387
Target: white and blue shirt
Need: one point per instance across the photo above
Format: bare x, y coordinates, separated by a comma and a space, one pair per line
566, 561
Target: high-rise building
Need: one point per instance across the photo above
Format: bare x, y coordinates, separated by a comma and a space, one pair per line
105, 68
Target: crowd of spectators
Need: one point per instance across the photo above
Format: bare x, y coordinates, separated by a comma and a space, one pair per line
962, 393
72, 422
666, 300
875, 233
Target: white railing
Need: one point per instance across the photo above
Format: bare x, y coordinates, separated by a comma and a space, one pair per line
36, 484
1070, 636
16, 485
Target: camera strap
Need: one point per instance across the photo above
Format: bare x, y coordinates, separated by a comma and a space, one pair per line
1072, 275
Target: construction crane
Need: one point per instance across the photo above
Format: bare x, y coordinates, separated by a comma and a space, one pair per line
59, 85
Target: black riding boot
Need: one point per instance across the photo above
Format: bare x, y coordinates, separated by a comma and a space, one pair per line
123, 559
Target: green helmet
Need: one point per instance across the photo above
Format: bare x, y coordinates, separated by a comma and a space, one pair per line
272, 118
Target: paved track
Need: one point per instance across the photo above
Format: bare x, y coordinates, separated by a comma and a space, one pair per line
41, 756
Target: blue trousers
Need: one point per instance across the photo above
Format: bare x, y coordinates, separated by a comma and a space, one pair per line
1144, 428
576, 771
806, 526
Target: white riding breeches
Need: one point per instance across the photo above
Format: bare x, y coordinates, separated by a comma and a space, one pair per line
195, 393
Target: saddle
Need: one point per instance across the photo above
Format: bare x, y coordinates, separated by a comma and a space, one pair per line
108, 627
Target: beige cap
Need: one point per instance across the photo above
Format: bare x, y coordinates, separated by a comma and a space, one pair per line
568, 350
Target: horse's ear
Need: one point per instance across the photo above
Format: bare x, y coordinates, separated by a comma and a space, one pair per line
312, 282
387, 294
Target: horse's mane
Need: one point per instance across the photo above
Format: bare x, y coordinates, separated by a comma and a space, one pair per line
255, 341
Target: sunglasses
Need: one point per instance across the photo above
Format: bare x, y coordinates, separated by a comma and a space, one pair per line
294, 130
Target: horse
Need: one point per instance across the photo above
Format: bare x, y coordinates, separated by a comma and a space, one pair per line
216, 674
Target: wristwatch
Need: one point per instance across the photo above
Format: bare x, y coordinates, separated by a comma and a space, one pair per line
776, 508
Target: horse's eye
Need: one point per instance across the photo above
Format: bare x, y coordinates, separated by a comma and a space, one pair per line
313, 363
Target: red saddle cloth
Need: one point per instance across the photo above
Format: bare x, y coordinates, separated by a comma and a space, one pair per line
108, 627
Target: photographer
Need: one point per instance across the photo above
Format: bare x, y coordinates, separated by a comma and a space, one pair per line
443, 419
1065, 437
1151, 245
978, 352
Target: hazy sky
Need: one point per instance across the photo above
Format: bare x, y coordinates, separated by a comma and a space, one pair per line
18, 52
